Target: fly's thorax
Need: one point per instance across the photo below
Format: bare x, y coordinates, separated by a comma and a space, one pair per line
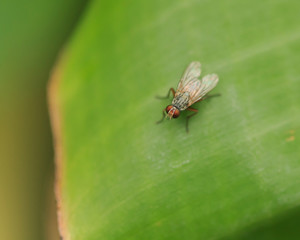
181, 101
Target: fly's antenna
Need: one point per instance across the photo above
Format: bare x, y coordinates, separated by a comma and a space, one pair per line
170, 113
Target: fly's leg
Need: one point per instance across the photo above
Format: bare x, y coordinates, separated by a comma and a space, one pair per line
188, 117
196, 111
164, 110
163, 117
212, 95
168, 95
209, 96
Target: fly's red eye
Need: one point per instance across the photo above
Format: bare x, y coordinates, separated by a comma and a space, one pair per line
168, 108
176, 113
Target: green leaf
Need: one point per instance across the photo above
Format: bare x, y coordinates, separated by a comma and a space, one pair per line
237, 171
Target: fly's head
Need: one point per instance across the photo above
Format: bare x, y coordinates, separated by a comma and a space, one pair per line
172, 112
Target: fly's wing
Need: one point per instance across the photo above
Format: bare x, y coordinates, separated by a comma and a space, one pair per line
204, 86
191, 73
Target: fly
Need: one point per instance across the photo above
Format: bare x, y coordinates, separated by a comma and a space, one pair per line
189, 91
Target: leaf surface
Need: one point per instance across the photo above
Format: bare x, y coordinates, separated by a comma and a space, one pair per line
124, 177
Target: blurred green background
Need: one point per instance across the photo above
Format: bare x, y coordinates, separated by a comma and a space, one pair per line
32, 33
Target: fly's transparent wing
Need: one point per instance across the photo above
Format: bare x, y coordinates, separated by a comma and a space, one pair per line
206, 84
192, 72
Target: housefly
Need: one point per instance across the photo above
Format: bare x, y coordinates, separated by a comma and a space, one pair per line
189, 91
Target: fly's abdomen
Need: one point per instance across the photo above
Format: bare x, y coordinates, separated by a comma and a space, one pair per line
181, 101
